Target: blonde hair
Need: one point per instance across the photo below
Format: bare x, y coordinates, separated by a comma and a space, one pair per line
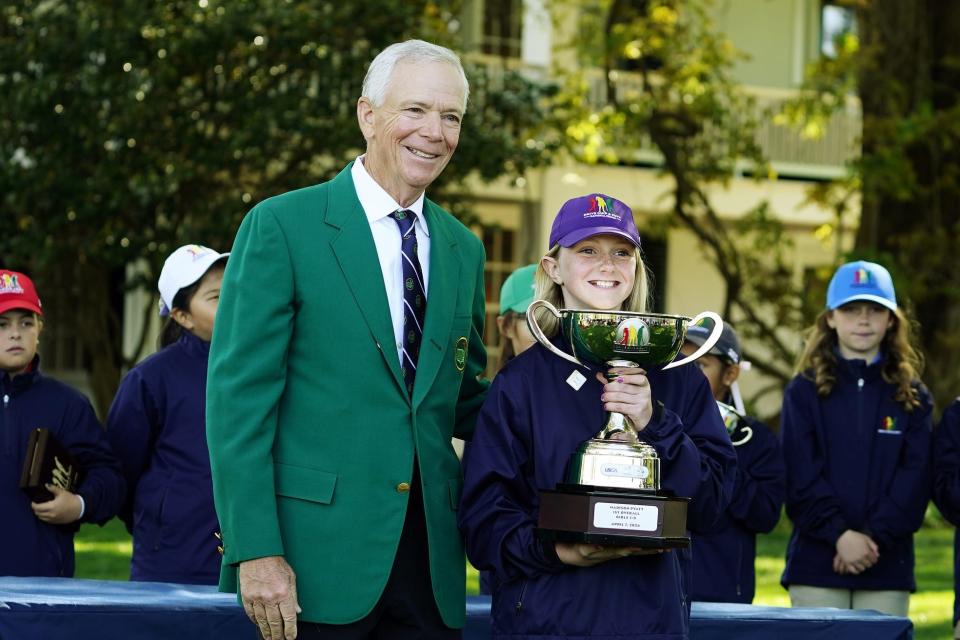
902, 362
546, 289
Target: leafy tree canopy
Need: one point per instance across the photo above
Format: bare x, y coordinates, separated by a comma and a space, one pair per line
131, 127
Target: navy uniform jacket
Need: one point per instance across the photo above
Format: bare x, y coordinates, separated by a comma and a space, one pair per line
946, 484
529, 426
29, 547
855, 459
723, 557
156, 425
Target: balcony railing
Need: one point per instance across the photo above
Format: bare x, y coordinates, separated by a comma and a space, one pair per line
789, 152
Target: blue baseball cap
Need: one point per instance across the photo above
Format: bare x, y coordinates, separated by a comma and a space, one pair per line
516, 294
591, 215
861, 280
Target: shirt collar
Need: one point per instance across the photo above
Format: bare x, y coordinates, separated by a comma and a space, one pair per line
376, 202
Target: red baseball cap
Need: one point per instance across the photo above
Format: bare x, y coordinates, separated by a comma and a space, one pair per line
17, 292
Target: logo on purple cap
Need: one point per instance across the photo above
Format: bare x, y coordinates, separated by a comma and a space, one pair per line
601, 207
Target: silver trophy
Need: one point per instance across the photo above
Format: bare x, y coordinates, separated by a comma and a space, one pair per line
612, 493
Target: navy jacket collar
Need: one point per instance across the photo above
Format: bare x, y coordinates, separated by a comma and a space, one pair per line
21, 381
193, 345
859, 368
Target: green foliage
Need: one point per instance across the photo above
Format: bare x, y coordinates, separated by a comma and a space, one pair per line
130, 128
905, 185
655, 86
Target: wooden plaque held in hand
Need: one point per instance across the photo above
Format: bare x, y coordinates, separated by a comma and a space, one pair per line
47, 462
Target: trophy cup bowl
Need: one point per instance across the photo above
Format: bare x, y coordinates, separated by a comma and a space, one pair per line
612, 493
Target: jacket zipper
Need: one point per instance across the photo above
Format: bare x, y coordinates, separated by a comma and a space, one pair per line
519, 605
860, 405
739, 568
8, 437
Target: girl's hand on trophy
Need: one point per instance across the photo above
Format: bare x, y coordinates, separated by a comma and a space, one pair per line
587, 555
627, 391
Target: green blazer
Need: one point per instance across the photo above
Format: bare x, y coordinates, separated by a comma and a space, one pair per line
311, 433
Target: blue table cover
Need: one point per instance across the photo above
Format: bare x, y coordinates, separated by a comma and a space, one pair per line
69, 609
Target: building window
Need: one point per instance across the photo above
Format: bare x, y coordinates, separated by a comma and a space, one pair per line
500, 245
502, 28
836, 22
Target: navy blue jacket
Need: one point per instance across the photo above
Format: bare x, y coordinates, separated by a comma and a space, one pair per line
946, 484
29, 547
157, 427
855, 459
723, 557
528, 428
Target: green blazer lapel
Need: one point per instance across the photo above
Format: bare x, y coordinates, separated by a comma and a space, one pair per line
445, 266
357, 255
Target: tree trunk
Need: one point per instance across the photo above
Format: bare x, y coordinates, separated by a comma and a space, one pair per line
908, 81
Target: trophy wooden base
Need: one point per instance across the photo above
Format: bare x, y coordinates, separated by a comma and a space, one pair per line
613, 516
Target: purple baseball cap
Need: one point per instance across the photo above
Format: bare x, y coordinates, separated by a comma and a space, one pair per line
592, 215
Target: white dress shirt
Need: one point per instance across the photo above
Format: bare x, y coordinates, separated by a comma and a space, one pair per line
378, 205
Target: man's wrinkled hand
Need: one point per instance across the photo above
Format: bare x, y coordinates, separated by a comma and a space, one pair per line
268, 590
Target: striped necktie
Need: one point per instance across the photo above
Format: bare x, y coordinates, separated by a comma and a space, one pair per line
414, 296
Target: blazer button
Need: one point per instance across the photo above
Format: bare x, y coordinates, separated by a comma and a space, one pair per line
403, 487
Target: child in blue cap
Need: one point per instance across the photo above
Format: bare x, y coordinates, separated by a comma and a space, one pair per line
856, 431
540, 408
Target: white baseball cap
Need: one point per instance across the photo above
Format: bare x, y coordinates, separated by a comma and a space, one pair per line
181, 269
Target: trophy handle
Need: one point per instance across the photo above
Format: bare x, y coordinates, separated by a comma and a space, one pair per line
708, 343
540, 336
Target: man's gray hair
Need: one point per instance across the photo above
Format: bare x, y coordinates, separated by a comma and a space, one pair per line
377, 80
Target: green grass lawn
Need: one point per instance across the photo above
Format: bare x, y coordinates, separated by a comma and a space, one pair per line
104, 553
931, 607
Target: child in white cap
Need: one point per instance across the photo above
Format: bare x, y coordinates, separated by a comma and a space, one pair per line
156, 426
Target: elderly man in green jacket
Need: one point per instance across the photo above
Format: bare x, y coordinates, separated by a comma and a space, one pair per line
347, 353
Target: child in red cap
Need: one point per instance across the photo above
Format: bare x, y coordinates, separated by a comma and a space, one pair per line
37, 538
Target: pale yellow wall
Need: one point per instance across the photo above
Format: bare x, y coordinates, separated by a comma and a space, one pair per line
775, 34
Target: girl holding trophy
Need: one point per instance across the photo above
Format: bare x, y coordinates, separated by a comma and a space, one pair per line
541, 408
856, 432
